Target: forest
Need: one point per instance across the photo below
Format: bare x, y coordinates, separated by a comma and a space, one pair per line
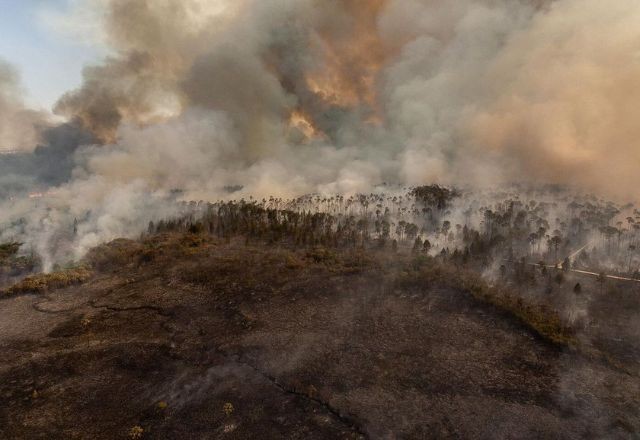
549, 227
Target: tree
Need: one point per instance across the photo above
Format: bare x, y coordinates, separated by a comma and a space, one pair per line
532, 239
608, 232
631, 249
417, 245
446, 226
411, 230
601, 279
555, 242
400, 229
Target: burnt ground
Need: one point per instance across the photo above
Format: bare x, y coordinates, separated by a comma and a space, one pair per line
302, 345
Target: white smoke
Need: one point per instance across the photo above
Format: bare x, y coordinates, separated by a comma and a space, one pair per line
19, 126
199, 95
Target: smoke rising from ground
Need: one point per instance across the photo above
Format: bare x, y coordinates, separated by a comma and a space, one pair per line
288, 97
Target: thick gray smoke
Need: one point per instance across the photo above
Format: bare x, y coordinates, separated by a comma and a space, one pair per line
50, 164
286, 97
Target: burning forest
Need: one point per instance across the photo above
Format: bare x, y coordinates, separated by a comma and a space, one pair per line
321, 219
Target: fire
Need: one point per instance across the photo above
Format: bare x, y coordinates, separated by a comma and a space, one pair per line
330, 90
351, 60
299, 121
40, 195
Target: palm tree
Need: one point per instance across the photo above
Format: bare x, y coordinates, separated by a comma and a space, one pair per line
417, 245
631, 249
555, 241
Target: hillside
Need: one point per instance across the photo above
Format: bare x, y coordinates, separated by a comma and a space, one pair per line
184, 335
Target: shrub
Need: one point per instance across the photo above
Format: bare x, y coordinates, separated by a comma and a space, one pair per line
228, 409
322, 255
293, 263
8, 250
48, 281
136, 432
115, 255
540, 318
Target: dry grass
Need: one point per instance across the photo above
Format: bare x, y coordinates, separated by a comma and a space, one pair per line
116, 255
44, 282
540, 318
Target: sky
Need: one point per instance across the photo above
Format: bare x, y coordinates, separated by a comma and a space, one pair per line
49, 61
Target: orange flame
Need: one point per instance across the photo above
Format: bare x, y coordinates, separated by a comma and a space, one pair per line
40, 195
301, 122
351, 58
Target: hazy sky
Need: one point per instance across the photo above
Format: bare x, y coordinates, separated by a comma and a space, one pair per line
48, 60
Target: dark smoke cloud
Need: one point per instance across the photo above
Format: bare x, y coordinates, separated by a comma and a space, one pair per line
36, 153
50, 164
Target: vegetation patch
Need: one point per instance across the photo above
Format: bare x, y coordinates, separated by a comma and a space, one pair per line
540, 318
8, 250
44, 282
12, 265
115, 255
322, 255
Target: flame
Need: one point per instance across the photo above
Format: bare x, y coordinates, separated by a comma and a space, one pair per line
301, 122
347, 75
40, 195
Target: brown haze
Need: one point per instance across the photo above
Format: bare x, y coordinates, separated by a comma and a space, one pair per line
288, 97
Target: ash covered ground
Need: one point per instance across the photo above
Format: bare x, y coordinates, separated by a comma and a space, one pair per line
263, 319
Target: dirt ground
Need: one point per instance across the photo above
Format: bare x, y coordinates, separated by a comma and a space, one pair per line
207, 340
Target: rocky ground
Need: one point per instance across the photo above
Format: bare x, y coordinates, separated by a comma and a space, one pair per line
183, 337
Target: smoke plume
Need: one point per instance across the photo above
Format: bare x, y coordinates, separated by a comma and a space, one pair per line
284, 97
19, 126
